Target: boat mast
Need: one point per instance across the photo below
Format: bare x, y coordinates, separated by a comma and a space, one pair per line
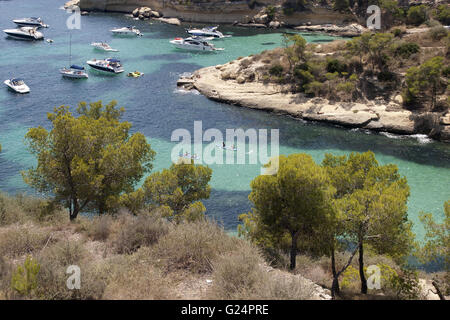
70, 50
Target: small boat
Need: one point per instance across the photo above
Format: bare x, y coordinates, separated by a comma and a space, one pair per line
17, 85
194, 44
189, 156
74, 72
24, 33
30, 22
135, 74
109, 65
103, 46
207, 32
127, 31
232, 148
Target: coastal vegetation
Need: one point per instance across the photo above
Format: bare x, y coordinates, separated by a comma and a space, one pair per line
155, 241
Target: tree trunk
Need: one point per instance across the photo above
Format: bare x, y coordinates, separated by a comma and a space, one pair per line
361, 268
75, 210
294, 236
335, 290
438, 290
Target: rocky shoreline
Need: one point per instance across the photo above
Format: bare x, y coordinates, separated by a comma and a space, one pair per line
267, 14
225, 83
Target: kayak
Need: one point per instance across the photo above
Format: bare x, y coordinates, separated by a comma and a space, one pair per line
135, 74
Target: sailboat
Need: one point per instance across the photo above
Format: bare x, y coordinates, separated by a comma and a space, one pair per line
74, 71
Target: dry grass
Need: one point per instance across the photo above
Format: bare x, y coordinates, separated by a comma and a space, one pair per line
193, 246
16, 241
139, 231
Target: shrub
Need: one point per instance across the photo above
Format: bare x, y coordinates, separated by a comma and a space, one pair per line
143, 230
276, 70
131, 277
24, 279
192, 246
386, 76
398, 32
405, 50
334, 65
437, 33
100, 228
237, 274
21, 240
406, 285
417, 15
443, 14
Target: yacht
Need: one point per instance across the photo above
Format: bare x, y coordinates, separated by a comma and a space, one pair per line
30, 22
74, 72
194, 44
107, 65
127, 31
103, 46
17, 85
207, 32
24, 33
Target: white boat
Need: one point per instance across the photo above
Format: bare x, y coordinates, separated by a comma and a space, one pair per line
103, 46
194, 44
74, 72
17, 85
127, 31
24, 33
30, 22
109, 65
207, 32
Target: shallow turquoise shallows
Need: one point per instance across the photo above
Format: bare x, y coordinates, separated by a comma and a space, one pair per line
156, 107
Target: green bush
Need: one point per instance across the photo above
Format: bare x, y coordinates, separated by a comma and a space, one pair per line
276, 70
443, 14
417, 15
405, 50
24, 278
334, 65
437, 33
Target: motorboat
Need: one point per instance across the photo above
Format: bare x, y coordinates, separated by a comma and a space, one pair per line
193, 44
17, 85
74, 72
103, 46
127, 31
24, 33
207, 32
135, 74
30, 22
109, 65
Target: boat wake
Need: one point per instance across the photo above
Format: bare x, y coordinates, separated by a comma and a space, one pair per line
421, 138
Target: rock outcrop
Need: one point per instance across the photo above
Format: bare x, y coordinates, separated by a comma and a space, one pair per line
232, 83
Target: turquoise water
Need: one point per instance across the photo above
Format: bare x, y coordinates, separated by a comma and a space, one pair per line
156, 107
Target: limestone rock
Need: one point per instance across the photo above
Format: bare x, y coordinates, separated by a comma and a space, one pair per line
174, 21
274, 24
136, 12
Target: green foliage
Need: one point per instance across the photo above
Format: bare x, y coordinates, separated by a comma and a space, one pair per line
391, 6
406, 284
417, 15
443, 14
294, 48
276, 70
334, 65
89, 161
406, 49
375, 45
293, 202
24, 278
341, 5
438, 33
270, 11
313, 87
437, 238
423, 80
176, 190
